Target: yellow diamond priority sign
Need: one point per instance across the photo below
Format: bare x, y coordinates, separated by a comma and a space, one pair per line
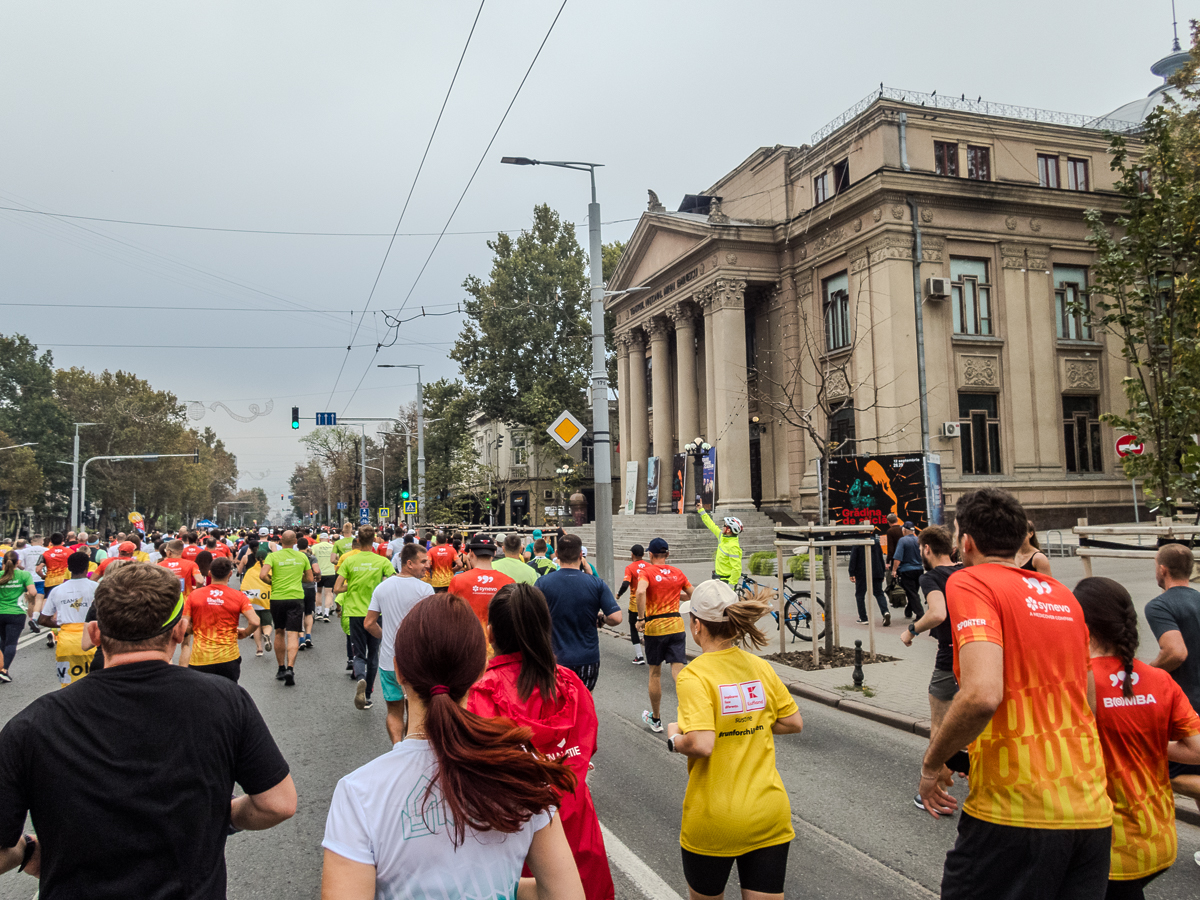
567, 430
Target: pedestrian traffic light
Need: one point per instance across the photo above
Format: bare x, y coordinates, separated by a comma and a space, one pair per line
295, 417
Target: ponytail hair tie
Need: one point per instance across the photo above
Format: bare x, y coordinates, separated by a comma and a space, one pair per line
438, 689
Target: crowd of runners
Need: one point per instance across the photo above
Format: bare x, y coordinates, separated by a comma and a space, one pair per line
485, 647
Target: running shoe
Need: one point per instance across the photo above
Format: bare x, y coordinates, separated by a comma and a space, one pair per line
639, 660
281, 673
887, 619
258, 653
5, 678
367, 704
289, 678
360, 695
307, 645
655, 724
861, 621
33, 626
349, 665
267, 643
50, 641
917, 802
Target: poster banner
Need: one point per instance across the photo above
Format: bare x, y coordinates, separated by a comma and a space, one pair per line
653, 480
867, 488
708, 469
935, 501
631, 485
678, 480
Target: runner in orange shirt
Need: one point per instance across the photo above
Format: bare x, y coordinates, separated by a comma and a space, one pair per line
54, 568
1037, 779
125, 549
658, 589
1145, 722
213, 614
443, 560
637, 562
478, 585
193, 548
185, 570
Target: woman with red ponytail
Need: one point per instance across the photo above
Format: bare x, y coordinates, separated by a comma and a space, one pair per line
524, 684
457, 808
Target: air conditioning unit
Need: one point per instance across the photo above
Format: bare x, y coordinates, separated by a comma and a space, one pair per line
937, 288
952, 429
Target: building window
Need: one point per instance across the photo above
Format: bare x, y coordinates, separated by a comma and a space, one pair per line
1047, 170
1077, 175
979, 163
1081, 433
1070, 302
587, 452
841, 176
836, 312
820, 188
971, 295
520, 449
1143, 177
841, 429
980, 434
945, 158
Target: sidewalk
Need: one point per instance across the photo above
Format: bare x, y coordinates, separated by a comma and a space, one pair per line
900, 689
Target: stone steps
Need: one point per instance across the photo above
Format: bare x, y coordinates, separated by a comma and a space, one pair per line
689, 540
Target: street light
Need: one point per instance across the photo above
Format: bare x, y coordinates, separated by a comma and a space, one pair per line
420, 431
16, 446
602, 465
75, 492
696, 450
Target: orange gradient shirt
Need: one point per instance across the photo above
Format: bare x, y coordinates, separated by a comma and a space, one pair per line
1037, 763
631, 575
1134, 732
56, 565
478, 587
215, 611
441, 564
185, 570
662, 598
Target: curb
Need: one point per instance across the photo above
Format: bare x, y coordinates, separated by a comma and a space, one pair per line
874, 713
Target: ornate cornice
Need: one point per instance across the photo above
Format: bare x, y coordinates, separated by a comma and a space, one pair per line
682, 314
1024, 256
728, 294
660, 327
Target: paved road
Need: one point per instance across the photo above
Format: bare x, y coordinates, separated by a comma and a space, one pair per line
850, 780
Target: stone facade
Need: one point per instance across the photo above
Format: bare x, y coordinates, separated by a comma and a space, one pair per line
741, 321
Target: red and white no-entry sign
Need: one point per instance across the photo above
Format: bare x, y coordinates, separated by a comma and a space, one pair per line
1128, 445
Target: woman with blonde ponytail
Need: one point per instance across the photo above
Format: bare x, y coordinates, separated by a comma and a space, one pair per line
1145, 723
731, 703
463, 802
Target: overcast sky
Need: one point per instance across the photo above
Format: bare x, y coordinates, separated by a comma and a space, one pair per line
307, 116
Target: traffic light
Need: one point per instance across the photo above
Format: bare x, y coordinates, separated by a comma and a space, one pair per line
404, 489
499, 441
295, 417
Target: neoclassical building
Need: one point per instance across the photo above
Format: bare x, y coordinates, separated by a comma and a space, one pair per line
789, 287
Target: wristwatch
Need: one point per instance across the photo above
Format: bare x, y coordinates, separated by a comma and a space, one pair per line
671, 744
912, 629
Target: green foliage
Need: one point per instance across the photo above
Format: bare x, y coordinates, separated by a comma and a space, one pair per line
1146, 294
524, 350
30, 411
21, 482
798, 566
450, 461
762, 562
611, 254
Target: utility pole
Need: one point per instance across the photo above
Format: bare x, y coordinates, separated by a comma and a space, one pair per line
75, 476
420, 431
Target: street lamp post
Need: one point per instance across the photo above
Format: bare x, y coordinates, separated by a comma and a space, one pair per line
420, 432
18, 446
696, 450
602, 464
75, 492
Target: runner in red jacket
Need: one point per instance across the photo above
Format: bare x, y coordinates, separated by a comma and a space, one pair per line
523, 683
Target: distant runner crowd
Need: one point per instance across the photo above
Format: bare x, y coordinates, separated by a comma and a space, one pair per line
486, 651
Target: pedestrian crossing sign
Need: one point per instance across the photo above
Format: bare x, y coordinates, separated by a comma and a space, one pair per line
566, 429
385, 512
410, 507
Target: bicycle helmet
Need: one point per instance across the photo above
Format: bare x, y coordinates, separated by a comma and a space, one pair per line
735, 524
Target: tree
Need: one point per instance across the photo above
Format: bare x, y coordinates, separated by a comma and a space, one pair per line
1146, 294
524, 351
450, 458
611, 255
336, 452
21, 482
30, 413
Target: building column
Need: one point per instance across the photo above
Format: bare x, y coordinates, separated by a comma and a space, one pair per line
685, 374
664, 412
732, 420
639, 430
622, 341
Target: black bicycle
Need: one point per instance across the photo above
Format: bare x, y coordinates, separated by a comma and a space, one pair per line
797, 604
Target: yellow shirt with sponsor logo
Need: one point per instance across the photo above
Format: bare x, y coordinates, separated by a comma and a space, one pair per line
735, 800
255, 588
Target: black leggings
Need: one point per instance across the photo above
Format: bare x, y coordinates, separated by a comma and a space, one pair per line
761, 870
11, 626
634, 637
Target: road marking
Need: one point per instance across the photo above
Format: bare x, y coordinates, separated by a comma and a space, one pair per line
913, 887
643, 877
31, 638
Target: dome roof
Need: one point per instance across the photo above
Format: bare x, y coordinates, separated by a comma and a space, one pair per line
1136, 111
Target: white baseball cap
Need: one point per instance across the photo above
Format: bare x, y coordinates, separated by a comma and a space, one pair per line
710, 600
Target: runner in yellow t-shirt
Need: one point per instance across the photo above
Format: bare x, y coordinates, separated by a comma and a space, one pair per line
731, 704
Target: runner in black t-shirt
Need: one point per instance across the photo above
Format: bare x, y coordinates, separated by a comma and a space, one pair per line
937, 547
128, 774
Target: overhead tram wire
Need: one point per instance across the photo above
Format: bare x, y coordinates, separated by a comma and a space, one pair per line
478, 165
411, 188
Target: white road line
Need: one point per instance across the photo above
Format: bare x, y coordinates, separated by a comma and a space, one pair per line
910, 886
31, 638
643, 877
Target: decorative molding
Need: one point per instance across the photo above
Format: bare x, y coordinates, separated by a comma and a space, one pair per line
731, 258
622, 339
877, 214
897, 211
659, 328
804, 288
926, 214
654, 205
932, 248
728, 294
1079, 375
891, 246
829, 238
978, 371
715, 215
637, 339
681, 313
1035, 225
802, 252
1024, 256
1010, 222
857, 226
861, 261
837, 385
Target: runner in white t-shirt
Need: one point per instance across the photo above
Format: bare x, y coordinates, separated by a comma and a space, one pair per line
391, 601
66, 608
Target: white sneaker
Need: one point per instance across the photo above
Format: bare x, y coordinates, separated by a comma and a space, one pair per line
655, 724
1197, 857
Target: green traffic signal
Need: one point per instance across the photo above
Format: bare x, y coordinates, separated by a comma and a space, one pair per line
295, 417
404, 495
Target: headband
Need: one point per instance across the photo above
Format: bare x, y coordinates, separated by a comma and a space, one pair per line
171, 619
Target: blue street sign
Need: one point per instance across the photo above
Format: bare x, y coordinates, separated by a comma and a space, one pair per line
326, 418
363, 516
341, 506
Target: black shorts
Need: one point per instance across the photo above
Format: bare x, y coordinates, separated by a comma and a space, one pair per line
666, 648
231, 670
288, 614
1062, 863
1176, 769
265, 620
328, 581
587, 674
310, 602
759, 870
441, 590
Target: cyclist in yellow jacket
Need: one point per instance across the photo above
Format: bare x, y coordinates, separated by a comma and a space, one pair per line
728, 562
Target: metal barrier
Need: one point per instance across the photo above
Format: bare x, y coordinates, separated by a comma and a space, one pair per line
1062, 547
